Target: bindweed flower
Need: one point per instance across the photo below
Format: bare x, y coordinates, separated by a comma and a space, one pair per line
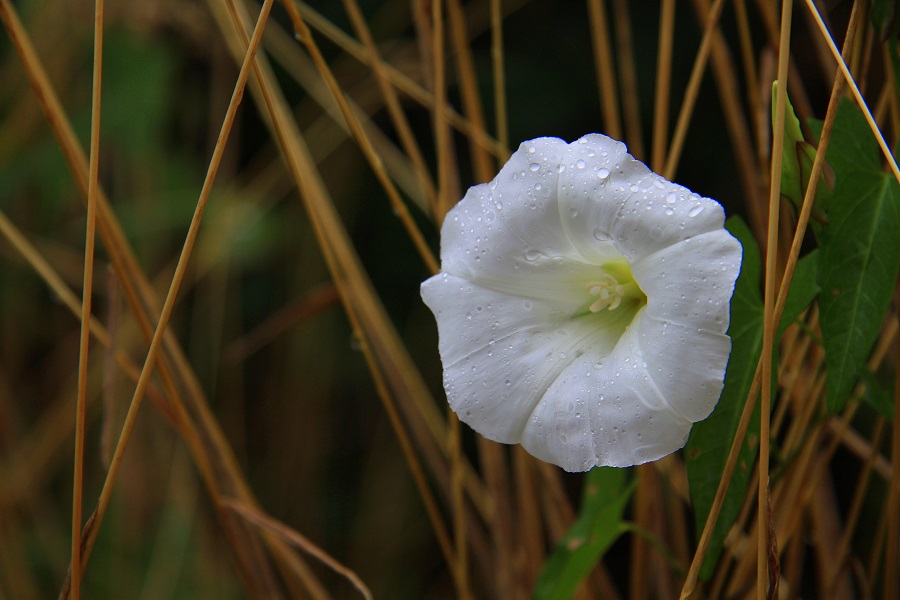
582, 305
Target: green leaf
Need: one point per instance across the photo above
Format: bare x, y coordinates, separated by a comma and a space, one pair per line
804, 289
796, 165
879, 395
884, 18
710, 440
606, 493
860, 253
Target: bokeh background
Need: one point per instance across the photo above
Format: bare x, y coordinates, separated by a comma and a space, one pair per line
263, 322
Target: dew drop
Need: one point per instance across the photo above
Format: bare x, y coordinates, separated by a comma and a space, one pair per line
560, 168
659, 185
670, 211
534, 167
603, 175
695, 211
601, 235
580, 164
671, 199
532, 255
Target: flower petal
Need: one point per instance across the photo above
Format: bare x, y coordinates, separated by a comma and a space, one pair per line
686, 364
507, 235
608, 413
606, 197
501, 353
692, 282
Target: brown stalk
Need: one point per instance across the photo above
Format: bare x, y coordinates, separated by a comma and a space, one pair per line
746, 160
363, 308
628, 76
857, 95
856, 505
770, 321
468, 81
499, 81
692, 91
606, 79
397, 204
401, 81
204, 437
663, 85
800, 231
85, 334
168, 305
291, 536
892, 506
398, 118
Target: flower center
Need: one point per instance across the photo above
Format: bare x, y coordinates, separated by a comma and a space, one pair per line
615, 286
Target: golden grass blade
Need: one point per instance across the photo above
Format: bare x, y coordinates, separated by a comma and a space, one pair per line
499, 78
397, 204
892, 506
663, 83
398, 118
693, 89
860, 101
746, 160
628, 75
442, 140
468, 82
93, 167
765, 586
156, 343
388, 357
297, 540
606, 79
401, 81
802, 222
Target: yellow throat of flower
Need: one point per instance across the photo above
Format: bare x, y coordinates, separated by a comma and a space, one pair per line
615, 286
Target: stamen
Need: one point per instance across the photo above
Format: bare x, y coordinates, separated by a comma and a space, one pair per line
609, 293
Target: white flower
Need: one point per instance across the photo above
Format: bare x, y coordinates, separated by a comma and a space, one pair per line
582, 305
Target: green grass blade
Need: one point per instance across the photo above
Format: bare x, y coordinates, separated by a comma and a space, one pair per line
606, 493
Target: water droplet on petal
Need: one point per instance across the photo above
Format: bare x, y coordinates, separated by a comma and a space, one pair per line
695, 211
580, 164
532, 255
534, 166
603, 175
601, 235
671, 199
670, 211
